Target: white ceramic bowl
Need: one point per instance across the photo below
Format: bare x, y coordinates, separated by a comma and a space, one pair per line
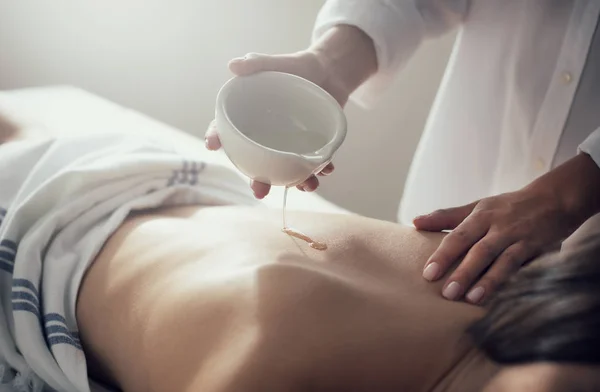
278, 128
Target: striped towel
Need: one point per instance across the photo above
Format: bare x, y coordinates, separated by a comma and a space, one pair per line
60, 201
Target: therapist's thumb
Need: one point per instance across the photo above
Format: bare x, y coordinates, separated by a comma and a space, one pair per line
445, 219
256, 62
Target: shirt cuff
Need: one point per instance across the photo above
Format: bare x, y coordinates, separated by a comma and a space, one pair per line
591, 146
396, 32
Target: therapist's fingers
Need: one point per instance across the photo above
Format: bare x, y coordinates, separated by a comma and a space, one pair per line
477, 260
453, 246
327, 170
304, 64
211, 137
257, 62
260, 189
309, 185
445, 219
511, 259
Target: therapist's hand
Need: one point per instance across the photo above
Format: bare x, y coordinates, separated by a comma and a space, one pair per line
339, 61
497, 235
306, 64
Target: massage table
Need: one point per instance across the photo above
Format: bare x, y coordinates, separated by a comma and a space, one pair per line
65, 110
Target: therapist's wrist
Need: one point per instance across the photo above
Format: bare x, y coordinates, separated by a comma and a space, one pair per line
347, 56
576, 187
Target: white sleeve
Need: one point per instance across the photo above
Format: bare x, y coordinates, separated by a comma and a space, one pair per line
397, 27
591, 146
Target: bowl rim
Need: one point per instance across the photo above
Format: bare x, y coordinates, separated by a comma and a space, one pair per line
341, 123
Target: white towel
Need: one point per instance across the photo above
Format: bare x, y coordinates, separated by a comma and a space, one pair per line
60, 201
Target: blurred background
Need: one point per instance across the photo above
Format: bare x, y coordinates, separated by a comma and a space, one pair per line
167, 59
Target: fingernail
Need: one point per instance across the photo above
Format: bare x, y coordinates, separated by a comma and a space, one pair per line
476, 294
259, 197
421, 217
238, 59
451, 291
309, 188
431, 271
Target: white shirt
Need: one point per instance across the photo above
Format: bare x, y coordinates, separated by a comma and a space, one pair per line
501, 115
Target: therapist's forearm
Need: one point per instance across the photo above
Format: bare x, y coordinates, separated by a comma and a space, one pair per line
348, 55
576, 184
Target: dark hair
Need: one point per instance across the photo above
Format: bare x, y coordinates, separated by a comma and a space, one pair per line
549, 311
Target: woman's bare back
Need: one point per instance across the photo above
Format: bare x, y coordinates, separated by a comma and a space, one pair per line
219, 299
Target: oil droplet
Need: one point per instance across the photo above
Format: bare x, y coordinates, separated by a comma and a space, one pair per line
312, 243
297, 234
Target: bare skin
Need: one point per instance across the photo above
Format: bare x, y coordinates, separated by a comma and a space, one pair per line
546, 377
7, 128
219, 299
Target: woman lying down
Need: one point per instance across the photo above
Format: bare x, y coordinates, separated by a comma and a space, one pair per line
127, 266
